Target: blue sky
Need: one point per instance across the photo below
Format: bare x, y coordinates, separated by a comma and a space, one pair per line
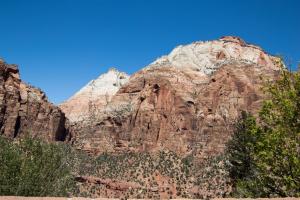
60, 45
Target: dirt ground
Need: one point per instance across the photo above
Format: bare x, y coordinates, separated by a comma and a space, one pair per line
74, 198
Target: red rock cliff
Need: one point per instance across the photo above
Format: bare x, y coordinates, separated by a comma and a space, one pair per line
26, 110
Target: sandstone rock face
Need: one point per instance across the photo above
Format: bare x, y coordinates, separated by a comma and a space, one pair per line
26, 110
207, 57
94, 96
186, 102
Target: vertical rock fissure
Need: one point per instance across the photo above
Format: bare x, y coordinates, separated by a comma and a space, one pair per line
17, 126
61, 132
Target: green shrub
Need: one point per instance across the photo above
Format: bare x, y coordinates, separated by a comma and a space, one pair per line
30, 167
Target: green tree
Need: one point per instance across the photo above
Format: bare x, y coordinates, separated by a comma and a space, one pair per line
278, 152
273, 149
31, 167
240, 148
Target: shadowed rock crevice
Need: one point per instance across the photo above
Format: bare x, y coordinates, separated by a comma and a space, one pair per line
17, 126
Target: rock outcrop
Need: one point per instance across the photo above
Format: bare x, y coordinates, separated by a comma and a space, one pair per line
26, 110
186, 102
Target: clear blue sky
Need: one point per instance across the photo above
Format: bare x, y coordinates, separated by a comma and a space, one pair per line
60, 45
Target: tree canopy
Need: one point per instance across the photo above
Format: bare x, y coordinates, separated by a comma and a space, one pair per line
264, 153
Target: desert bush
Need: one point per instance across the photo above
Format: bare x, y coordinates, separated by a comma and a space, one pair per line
30, 167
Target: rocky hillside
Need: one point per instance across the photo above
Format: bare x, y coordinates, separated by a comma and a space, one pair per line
162, 134
94, 96
185, 102
25, 109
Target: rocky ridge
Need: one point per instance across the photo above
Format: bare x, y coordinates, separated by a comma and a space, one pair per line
25, 110
207, 57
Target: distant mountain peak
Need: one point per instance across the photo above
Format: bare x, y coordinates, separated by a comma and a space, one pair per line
108, 82
99, 91
206, 57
